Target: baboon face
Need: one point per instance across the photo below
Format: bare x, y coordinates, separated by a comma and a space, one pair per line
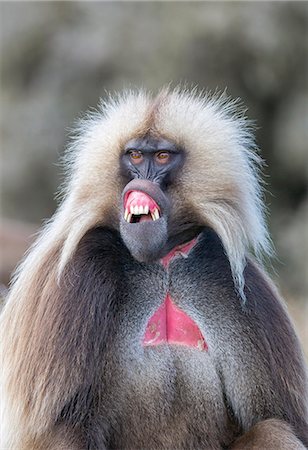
149, 166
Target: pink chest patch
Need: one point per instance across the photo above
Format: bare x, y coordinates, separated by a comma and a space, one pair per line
169, 324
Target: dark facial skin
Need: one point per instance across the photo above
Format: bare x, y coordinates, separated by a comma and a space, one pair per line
156, 160
150, 165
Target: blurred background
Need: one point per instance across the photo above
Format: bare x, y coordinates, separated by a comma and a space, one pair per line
58, 58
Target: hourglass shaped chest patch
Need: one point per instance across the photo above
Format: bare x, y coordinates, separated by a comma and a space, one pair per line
170, 324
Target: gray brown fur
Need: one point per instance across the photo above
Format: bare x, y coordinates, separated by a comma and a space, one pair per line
75, 375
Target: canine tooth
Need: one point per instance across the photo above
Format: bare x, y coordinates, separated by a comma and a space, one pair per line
156, 213
129, 216
153, 216
126, 213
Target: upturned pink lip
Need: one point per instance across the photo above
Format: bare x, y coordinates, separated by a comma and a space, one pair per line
139, 198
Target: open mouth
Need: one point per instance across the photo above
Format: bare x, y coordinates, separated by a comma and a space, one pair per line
140, 207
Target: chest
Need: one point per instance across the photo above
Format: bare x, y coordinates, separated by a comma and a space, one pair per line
162, 376
167, 395
161, 339
151, 311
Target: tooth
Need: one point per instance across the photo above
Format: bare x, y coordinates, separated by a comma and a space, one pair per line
133, 209
153, 216
140, 210
137, 210
129, 216
125, 213
156, 213
146, 209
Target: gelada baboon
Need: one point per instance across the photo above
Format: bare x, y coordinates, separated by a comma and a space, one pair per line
139, 319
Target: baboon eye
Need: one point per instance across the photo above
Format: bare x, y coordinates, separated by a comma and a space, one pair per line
136, 156
162, 157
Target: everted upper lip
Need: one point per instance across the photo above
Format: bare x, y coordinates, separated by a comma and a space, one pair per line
138, 204
143, 200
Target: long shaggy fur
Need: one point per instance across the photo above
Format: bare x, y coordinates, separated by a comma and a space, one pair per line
221, 178
221, 184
